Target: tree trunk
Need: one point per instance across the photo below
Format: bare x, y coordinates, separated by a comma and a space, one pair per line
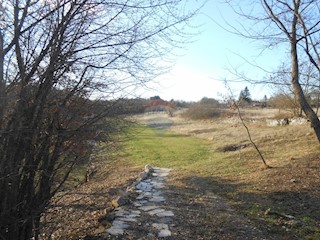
2, 80
305, 106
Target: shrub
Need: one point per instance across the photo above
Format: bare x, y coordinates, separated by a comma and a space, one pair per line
202, 111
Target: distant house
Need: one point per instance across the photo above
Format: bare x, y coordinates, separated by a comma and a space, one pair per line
259, 104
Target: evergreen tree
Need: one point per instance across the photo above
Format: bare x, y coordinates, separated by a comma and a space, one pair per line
245, 95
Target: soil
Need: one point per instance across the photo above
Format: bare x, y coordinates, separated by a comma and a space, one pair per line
273, 203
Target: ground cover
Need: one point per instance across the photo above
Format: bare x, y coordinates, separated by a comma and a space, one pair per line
282, 200
215, 194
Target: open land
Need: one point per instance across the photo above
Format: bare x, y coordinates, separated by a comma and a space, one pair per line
218, 187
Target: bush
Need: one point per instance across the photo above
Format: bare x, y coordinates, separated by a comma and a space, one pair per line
202, 111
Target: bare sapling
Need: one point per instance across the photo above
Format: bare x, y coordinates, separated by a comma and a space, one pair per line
234, 104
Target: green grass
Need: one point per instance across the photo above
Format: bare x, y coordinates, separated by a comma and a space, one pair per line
164, 149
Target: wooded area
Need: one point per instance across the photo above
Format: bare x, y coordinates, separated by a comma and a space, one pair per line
57, 58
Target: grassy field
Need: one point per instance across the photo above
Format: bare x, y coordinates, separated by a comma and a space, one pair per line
284, 200
224, 189
165, 149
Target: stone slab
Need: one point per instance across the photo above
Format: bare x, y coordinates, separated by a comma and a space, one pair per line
165, 214
148, 208
156, 211
115, 231
164, 233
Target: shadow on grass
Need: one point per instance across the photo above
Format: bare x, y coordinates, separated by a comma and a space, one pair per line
228, 210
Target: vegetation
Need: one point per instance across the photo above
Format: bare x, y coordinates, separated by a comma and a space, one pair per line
203, 165
267, 196
206, 108
55, 57
159, 148
294, 24
245, 96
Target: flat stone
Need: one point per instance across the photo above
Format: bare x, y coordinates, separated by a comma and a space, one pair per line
157, 184
133, 215
144, 195
135, 212
165, 214
115, 231
148, 208
144, 186
120, 212
140, 197
157, 193
156, 211
137, 204
119, 224
157, 199
164, 233
127, 219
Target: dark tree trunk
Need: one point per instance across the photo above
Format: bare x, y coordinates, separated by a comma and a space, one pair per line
305, 106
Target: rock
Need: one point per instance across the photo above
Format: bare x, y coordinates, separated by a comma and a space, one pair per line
164, 233
127, 219
119, 212
158, 184
156, 211
148, 168
119, 224
135, 212
298, 121
115, 231
165, 214
144, 186
137, 204
145, 194
148, 208
157, 199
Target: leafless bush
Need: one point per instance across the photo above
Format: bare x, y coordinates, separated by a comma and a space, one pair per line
202, 111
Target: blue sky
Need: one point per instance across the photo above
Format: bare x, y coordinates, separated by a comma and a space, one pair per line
205, 62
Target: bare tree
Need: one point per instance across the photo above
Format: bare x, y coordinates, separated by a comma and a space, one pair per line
295, 23
309, 81
56, 55
233, 104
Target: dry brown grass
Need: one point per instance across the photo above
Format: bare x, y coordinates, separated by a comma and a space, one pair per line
291, 186
225, 195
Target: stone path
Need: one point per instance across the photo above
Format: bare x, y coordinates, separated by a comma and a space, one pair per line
147, 214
